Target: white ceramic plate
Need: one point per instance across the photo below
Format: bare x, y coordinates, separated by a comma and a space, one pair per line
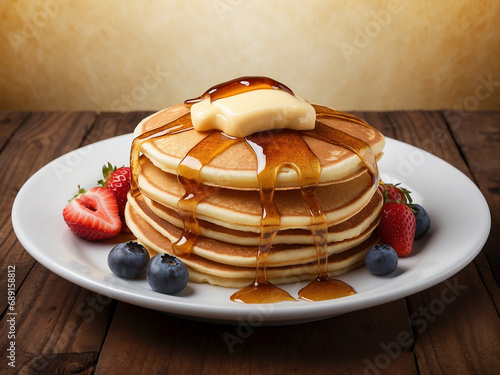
460, 226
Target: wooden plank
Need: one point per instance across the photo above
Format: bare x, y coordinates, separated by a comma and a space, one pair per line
36, 140
112, 124
478, 136
429, 131
55, 318
456, 326
10, 121
77, 319
142, 341
67, 343
40, 139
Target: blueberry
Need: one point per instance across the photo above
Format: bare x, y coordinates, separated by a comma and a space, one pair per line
422, 219
167, 274
381, 259
128, 260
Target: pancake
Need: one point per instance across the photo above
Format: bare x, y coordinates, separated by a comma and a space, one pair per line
216, 273
245, 255
241, 209
352, 227
260, 201
236, 167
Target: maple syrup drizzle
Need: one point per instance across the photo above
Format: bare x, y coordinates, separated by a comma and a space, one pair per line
268, 149
239, 86
345, 140
181, 124
273, 152
188, 173
324, 288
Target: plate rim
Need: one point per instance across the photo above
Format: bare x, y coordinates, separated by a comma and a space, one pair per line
279, 313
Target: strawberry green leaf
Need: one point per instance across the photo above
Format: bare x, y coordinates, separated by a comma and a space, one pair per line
80, 192
107, 170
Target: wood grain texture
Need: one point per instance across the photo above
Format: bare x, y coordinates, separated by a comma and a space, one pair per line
452, 327
112, 124
456, 327
74, 346
10, 121
55, 317
39, 139
346, 344
478, 137
428, 310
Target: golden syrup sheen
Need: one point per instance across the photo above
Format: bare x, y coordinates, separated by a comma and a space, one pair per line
188, 173
181, 124
271, 150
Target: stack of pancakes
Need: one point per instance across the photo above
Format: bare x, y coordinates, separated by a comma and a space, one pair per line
229, 219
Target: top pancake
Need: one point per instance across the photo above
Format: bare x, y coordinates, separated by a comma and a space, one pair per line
236, 167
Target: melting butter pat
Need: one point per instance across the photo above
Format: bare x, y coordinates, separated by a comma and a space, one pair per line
253, 111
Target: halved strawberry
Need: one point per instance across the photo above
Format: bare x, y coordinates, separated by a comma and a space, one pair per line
93, 214
397, 227
118, 181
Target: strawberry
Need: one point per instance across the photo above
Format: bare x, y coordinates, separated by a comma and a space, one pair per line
93, 214
397, 227
395, 193
118, 181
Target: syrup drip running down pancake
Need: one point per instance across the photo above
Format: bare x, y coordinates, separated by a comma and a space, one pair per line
341, 237
248, 235
206, 270
341, 149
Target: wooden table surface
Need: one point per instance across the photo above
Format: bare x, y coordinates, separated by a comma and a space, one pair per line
450, 328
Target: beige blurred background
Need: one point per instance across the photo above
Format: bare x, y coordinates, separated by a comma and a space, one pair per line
352, 55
